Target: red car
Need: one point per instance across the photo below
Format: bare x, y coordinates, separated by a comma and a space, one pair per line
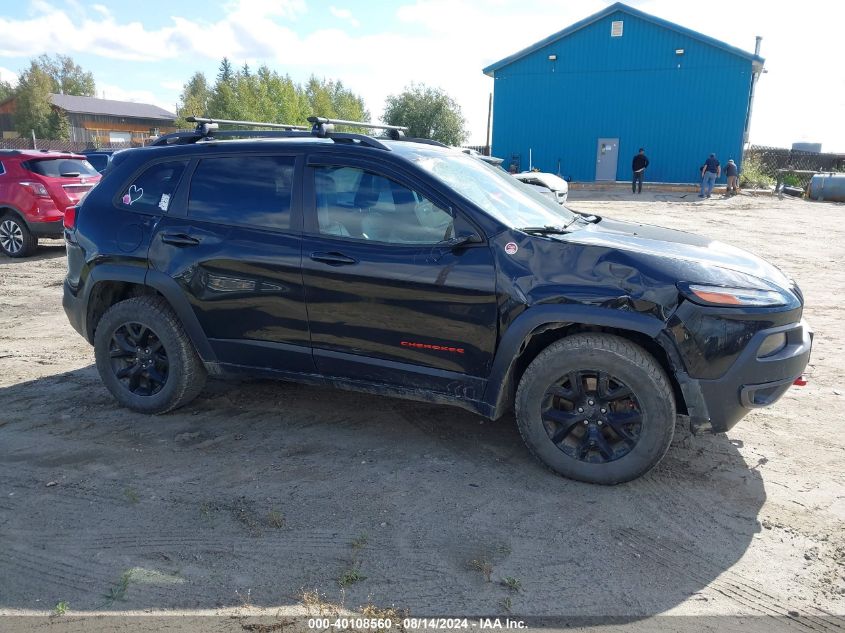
36, 187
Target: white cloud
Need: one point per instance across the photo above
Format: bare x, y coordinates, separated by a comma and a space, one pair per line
344, 14
8, 75
257, 9
102, 10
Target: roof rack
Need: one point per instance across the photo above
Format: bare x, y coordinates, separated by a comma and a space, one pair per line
322, 127
215, 122
209, 130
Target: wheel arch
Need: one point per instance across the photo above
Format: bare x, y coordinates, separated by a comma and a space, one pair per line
5, 209
531, 333
108, 285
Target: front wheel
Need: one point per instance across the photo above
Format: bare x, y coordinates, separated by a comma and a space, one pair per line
145, 358
596, 408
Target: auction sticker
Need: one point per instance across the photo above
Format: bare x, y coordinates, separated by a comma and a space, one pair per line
511, 248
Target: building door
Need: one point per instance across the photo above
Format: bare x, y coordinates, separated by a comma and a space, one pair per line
607, 154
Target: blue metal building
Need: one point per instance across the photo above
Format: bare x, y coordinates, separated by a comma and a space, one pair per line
582, 101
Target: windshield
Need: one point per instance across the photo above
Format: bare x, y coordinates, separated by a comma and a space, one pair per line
495, 191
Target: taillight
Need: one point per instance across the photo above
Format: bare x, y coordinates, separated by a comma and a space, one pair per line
37, 188
70, 218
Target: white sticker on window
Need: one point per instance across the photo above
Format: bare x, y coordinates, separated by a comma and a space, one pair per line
164, 202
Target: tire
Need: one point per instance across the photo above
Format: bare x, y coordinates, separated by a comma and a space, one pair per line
16, 240
613, 384
145, 358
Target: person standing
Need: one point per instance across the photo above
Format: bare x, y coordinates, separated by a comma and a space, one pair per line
709, 172
638, 166
732, 173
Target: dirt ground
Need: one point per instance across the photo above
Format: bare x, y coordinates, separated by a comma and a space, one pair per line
259, 492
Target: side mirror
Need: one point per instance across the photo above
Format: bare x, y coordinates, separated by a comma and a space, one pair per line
462, 240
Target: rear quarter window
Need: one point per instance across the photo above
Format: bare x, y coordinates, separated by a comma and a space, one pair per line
153, 190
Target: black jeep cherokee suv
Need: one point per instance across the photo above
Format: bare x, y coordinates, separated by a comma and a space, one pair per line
402, 268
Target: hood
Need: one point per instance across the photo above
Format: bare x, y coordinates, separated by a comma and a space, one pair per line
688, 256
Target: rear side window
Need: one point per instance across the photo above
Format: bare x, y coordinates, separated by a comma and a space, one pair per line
153, 190
243, 190
60, 167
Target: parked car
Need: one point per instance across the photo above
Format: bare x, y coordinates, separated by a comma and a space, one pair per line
35, 189
491, 160
551, 181
541, 190
100, 158
401, 268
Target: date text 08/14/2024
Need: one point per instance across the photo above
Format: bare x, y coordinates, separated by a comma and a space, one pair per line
382, 624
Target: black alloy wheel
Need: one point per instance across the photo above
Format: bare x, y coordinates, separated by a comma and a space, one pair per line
145, 357
138, 359
596, 407
592, 416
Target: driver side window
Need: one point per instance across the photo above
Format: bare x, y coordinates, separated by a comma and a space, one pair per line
359, 204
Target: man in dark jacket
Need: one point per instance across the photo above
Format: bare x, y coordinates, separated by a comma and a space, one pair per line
638, 166
710, 170
731, 172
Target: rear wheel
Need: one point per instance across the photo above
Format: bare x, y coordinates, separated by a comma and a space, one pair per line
145, 358
597, 408
16, 240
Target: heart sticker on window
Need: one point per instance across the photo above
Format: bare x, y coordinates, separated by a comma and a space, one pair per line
133, 195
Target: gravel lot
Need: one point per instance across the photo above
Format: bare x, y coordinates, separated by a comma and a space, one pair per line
259, 491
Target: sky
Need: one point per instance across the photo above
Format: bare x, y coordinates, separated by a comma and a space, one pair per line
146, 51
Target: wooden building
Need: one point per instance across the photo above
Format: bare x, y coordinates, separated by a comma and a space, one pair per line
101, 122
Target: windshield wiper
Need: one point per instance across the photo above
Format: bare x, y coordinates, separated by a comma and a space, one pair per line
544, 230
548, 229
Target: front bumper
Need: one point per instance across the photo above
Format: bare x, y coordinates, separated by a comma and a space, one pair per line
752, 382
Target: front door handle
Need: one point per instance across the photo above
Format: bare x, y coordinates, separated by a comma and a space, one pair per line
333, 259
179, 239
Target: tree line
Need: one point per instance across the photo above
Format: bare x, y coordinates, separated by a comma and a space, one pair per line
242, 94
268, 96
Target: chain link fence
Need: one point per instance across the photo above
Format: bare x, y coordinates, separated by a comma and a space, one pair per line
765, 166
56, 146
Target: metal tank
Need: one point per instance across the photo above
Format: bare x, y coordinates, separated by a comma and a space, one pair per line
829, 187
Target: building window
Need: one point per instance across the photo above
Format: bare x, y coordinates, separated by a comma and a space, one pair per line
616, 28
120, 138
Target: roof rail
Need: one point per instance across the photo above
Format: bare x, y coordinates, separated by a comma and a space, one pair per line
322, 127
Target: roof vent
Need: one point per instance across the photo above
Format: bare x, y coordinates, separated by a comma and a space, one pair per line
616, 28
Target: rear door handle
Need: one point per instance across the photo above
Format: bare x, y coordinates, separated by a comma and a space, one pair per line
179, 239
333, 259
